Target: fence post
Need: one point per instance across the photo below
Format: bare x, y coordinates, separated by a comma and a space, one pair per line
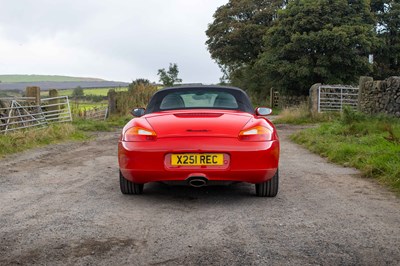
361, 91
53, 93
314, 103
55, 109
341, 99
112, 96
106, 114
3, 104
33, 92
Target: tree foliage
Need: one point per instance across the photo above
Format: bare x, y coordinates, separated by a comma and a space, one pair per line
137, 82
295, 43
235, 39
170, 77
138, 95
78, 92
319, 41
235, 36
387, 54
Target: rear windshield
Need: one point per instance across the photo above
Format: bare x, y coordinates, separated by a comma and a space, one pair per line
199, 98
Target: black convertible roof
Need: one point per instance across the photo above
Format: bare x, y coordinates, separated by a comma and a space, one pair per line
242, 98
201, 87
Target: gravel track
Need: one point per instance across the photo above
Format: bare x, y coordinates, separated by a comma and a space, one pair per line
61, 205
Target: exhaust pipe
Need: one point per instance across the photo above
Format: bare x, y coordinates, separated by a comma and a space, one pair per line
198, 182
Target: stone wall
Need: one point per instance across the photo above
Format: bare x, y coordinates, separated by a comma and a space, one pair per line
379, 96
280, 100
290, 100
313, 100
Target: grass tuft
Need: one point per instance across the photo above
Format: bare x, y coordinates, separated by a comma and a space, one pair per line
301, 114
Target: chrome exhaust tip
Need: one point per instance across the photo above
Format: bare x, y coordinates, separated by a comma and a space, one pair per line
198, 182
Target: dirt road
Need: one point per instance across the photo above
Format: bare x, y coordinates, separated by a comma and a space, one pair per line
61, 205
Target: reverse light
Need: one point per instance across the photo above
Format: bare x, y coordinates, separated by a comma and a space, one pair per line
257, 133
139, 134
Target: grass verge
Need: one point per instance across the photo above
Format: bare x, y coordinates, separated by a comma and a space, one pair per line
301, 115
77, 131
370, 144
27, 139
108, 125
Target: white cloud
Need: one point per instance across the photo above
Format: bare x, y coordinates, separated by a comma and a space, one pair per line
112, 39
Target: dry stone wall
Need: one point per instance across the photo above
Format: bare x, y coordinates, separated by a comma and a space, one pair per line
379, 96
281, 100
290, 100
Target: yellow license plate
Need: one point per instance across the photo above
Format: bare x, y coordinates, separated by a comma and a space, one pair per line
197, 159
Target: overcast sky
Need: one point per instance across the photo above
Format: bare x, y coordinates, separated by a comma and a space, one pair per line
112, 39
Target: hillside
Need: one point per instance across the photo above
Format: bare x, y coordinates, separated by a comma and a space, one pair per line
43, 78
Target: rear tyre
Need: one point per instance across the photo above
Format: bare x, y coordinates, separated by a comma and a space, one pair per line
128, 187
268, 188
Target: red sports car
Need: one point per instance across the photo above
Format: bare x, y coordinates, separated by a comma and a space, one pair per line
199, 136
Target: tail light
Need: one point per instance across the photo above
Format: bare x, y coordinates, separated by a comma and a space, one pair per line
257, 133
139, 134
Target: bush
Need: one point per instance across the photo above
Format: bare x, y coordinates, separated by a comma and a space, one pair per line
78, 92
349, 115
138, 95
136, 82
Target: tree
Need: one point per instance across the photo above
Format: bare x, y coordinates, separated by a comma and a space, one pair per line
78, 92
235, 39
235, 36
387, 53
318, 41
170, 77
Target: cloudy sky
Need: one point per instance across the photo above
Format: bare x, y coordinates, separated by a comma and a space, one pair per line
111, 39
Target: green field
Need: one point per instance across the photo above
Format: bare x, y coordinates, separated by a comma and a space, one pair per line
94, 91
79, 106
38, 78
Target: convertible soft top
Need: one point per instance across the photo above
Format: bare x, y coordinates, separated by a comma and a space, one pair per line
200, 97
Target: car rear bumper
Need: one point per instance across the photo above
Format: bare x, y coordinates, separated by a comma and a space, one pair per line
252, 162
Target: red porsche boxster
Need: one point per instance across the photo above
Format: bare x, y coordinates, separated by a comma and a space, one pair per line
199, 136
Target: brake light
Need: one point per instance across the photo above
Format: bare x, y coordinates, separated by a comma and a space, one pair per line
139, 134
257, 133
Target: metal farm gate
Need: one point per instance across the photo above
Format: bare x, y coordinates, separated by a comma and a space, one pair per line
56, 109
20, 113
334, 97
24, 112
